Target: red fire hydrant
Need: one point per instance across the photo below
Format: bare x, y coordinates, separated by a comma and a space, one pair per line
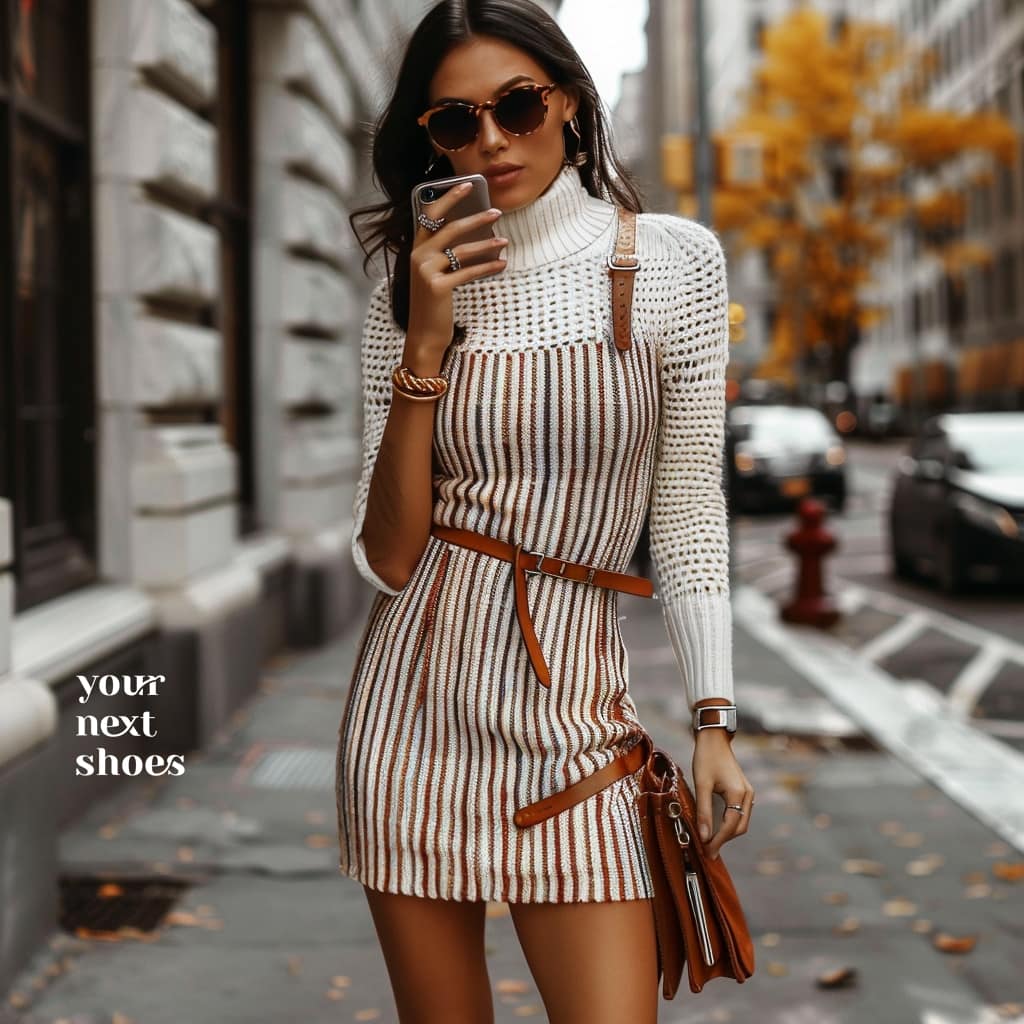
811, 541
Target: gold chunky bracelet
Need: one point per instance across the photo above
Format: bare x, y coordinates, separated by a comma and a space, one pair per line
419, 389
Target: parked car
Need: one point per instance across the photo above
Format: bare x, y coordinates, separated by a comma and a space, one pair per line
957, 506
781, 453
880, 418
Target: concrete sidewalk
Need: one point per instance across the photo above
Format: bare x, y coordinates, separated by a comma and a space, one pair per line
853, 860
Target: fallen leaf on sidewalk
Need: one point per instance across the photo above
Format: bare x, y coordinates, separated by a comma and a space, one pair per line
497, 910
841, 977
863, 866
186, 853
793, 781
318, 841
978, 891
315, 817
954, 943
890, 828
771, 939
899, 908
822, 820
368, 1014
922, 926
122, 1018
528, 1010
294, 965
777, 969
1009, 872
1008, 1010
507, 986
341, 981
848, 926
924, 865
908, 839
835, 897
770, 867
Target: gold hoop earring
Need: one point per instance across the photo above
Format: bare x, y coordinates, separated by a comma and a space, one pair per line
581, 156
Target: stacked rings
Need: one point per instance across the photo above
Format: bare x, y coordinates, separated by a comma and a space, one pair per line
453, 260
429, 223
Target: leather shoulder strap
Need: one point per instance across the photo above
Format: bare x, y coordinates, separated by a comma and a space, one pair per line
621, 267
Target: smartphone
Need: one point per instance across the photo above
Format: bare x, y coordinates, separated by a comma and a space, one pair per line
476, 200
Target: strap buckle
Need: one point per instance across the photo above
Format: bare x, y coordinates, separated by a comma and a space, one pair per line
635, 265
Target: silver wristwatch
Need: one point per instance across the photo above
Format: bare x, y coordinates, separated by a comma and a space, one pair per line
705, 718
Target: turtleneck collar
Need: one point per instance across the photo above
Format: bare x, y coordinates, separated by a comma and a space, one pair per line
560, 222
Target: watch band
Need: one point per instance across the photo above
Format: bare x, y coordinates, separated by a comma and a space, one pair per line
724, 719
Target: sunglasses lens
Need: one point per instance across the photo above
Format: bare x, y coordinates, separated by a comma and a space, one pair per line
520, 111
452, 127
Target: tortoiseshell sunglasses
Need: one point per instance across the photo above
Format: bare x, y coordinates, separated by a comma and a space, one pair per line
518, 111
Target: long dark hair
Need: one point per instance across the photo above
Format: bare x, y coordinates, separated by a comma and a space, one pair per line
401, 150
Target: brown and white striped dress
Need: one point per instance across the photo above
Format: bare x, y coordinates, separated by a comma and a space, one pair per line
547, 434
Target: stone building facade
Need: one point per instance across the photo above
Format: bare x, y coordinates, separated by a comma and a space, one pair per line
179, 374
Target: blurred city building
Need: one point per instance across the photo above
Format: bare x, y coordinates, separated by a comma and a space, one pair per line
965, 347
968, 346
180, 398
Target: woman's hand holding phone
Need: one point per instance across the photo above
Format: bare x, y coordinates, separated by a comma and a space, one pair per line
431, 279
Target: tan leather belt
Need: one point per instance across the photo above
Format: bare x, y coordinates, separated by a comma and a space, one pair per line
524, 562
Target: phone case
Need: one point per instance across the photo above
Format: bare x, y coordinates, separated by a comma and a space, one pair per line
476, 201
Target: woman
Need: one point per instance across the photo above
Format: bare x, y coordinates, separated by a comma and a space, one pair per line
529, 428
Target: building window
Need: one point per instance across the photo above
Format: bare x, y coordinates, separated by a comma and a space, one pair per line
230, 212
1007, 292
47, 428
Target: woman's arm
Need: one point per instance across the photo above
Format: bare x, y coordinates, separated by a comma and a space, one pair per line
391, 510
399, 506
688, 525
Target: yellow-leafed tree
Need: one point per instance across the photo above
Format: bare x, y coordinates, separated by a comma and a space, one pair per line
850, 146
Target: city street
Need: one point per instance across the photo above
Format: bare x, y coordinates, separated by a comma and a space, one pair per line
873, 894
968, 649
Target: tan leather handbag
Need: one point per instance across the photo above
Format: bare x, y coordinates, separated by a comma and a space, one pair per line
697, 912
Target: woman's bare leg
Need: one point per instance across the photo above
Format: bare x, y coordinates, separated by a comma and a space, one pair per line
594, 963
434, 950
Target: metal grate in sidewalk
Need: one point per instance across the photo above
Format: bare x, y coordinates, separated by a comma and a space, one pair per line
95, 906
290, 768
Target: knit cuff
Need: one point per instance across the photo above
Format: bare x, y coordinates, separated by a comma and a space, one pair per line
700, 631
363, 566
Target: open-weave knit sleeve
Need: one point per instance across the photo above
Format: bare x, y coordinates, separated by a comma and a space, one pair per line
383, 342
689, 535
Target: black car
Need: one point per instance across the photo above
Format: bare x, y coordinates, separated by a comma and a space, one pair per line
781, 453
957, 509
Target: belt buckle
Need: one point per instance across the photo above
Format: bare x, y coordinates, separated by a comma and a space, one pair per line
539, 568
560, 575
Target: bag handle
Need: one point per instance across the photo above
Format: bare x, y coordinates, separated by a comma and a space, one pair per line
622, 265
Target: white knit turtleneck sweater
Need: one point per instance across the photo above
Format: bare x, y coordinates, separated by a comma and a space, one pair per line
568, 453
